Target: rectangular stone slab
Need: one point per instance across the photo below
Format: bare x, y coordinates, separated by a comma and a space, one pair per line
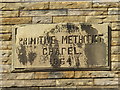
61, 46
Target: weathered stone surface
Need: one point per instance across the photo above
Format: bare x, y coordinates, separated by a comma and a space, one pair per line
62, 74
43, 13
111, 18
64, 5
74, 82
9, 14
93, 11
107, 81
116, 26
10, 6
5, 29
115, 41
6, 45
115, 57
115, 50
24, 83
95, 19
48, 83
36, 5
5, 37
113, 11
5, 68
19, 76
93, 74
63, 19
115, 66
42, 19
115, 34
105, 4
19, 20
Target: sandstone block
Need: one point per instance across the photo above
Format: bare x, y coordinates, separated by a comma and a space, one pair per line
66, 5
115, 66
63, 19
111, 18
106, 82
19, 20
115, 34
5, 29
93, 74
5, 37
116, 26
115, 49
9, 14
43, 13
112, 11
74, 82
42, 19
36, 5
60, 74
115, 57
105, 4
115, 41
95, 19
93, 11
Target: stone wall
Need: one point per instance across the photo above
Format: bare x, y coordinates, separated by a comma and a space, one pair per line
20, 12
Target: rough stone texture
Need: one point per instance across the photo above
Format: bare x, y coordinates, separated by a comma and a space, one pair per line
94, 74
105, 4
62, 74
5, 68
73, 82
116, 26
6, 45
5, 29
115, 41
43, 13
95, 19
36, 6
10, 6
92, 11
24, 83
64, 5
9, 13
5, 37
63, 19
19, 76
111, 18
115, 66
19, 20
107, 81
116, 34
42, 19
115, 57
115, 50
113, 11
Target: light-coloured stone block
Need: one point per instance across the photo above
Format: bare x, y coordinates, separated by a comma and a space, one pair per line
43, 13
113, 11
91, 11
66, 5
42, 19
17, 20
115, 41
9, 14
63, 19
115, 66
5, 37
115, 49
74, 82
106, 82
115, 57
115, 34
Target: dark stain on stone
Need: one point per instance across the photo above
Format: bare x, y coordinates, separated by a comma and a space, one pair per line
95, 52
69, 61
31, 57
54, 57
89, 29
22, 55
71, 28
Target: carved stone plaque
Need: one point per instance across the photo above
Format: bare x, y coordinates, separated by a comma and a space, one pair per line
61, 46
